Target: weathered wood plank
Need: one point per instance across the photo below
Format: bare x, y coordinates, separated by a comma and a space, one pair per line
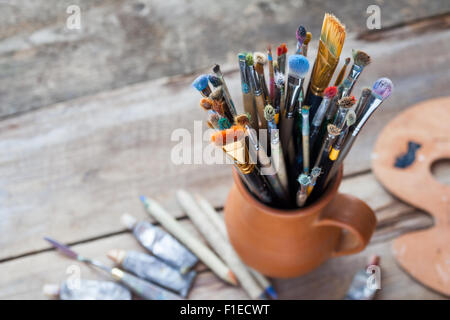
27, 275
124, 42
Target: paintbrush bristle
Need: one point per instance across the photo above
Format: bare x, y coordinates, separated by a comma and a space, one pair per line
350, 118
223, 137
260, 58
298, 65
213, 118
206, 103
217, 94
216, 68
300, 34
269, 112
201, 82
308, 38
366, 92
249, 59
383, 87
333, 34
279, 79
333, 130
218, 107
346, 102
304, 179
242, 55
361, 58
330, 92
242, 120
347, 61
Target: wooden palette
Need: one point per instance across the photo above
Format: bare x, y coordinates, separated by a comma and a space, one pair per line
424, 254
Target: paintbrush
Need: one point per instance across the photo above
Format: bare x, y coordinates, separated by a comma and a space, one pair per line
279, 93
298, 67
275, 148
201, 84
223, 108
271, 75
248, 101
341, 74
381, 90
214, 80
300, 35
281, 57
213, 119
317, 121
330, 46
337, 146
360, 61
365, 94
305, 44
142, 288
260, 60
226, 93
257, 91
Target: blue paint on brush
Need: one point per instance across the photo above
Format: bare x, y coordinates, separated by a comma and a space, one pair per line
143, 199
215, 81
298, 65
201, 82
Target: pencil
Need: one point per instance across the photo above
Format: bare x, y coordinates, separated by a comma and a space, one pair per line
195, 245
219, 224
222, 248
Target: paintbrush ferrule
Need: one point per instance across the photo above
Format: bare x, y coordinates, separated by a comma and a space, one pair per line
352, 77
372, 104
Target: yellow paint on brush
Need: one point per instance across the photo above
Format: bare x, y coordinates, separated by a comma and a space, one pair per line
309, 190
277, 118
334, 154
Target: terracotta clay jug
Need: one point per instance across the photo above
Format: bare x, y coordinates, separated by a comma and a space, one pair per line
288, 243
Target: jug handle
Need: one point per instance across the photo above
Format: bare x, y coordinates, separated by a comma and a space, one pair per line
356, 219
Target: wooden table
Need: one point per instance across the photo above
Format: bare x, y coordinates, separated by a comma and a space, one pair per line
70, 171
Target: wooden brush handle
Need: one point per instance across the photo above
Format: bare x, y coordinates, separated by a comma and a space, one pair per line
259, 101
249, 107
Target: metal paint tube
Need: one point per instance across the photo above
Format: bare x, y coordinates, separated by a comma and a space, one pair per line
359, 288
88, 290
164, 246
151, 268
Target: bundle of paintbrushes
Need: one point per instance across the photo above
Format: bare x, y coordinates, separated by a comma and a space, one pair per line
290, 140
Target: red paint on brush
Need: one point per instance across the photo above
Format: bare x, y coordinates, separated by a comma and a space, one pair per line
279, 51
330, 92
283, 45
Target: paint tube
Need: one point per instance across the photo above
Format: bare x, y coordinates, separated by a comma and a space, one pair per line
87, 290
151, 268
362, 286
161, 244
